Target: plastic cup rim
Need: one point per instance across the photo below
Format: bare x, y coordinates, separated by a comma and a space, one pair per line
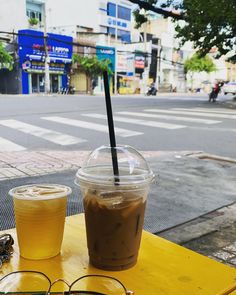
81, 176
45, 197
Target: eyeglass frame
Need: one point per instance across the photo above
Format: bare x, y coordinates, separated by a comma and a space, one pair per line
127, 292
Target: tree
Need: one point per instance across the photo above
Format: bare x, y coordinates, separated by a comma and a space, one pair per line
207, 24
92, 66
6, 60
199, 64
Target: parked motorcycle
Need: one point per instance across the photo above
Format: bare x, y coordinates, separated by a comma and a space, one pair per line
151, 90
71, 90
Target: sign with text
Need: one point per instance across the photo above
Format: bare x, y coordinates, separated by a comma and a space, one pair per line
31, 47
105, 52
125, 63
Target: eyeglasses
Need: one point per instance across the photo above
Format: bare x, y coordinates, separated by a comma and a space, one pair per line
37, 283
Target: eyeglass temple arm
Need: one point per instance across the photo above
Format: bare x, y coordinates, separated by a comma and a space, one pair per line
83, 292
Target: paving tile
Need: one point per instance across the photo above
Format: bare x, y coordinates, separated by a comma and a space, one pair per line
231, 248
223, 255
10, 172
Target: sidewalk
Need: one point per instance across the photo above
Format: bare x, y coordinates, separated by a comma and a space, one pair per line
212, 234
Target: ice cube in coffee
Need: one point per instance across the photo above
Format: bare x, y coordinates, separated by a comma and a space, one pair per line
114, 212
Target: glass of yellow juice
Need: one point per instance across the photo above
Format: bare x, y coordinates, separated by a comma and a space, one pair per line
40, 211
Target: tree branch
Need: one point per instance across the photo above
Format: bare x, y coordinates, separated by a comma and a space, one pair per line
148, 6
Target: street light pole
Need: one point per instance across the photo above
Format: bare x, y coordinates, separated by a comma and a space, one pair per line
46, 56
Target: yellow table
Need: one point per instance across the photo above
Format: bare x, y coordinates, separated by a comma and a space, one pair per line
163, 268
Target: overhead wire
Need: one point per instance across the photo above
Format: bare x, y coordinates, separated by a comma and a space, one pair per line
77, 44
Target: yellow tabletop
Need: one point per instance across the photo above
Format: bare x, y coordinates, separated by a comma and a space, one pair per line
163, 267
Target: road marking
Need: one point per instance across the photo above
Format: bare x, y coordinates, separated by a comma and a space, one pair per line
190, 113
166, 117
46, 134
93, 126
138, 121
213, 129
211, 110
9, 146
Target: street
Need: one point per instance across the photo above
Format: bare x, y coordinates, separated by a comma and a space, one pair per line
175, 122
46, 138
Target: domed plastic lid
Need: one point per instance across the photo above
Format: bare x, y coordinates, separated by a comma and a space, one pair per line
98, 168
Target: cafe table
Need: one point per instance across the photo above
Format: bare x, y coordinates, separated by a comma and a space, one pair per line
163, 268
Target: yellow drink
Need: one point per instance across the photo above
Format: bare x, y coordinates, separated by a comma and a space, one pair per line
40, 212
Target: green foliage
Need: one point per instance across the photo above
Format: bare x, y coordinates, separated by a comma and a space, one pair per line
33, 21
207, 24
199, 64
91, 65
6, 60
139, 18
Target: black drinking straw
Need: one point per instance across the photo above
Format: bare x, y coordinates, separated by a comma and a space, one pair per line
111, 126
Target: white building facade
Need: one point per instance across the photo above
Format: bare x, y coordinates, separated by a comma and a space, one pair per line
111, 17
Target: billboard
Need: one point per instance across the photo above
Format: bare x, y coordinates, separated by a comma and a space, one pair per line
105, 52
125, 63
32, 48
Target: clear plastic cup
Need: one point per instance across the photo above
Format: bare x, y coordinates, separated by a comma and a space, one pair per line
114, 205
40, 211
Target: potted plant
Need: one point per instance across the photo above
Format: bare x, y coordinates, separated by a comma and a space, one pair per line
33, 21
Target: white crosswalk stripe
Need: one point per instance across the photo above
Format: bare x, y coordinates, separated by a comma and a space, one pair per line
211, 110
46, 134
9, 146
138, 121
92, 126
191, 113
167, 117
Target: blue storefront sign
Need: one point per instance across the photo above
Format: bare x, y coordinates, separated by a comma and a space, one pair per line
32, 57
105, 52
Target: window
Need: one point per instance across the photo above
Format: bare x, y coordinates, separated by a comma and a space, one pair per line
111, 31
111, 9
124, 13
34, 10
34, 14
124, 36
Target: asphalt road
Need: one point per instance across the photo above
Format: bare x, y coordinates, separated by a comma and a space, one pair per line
165, 123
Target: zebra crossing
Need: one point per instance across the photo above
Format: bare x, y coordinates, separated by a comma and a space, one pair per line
166, 119
88, 125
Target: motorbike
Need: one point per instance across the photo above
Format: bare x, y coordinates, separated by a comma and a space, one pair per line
71, 90
151, 90
215, 91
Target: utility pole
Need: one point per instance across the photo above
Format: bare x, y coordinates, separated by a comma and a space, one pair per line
46, 56
116, 56
146, 68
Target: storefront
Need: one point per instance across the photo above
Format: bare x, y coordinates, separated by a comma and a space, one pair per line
32, 61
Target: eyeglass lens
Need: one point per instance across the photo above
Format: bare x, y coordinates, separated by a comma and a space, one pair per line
24, 282
38, 283
100, 284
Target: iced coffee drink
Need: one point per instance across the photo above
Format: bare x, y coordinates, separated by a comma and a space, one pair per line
114, 206
114, 223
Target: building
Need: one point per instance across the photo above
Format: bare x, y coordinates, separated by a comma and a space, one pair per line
24, 11
26, 43
109, 17
32, 61
101, 23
